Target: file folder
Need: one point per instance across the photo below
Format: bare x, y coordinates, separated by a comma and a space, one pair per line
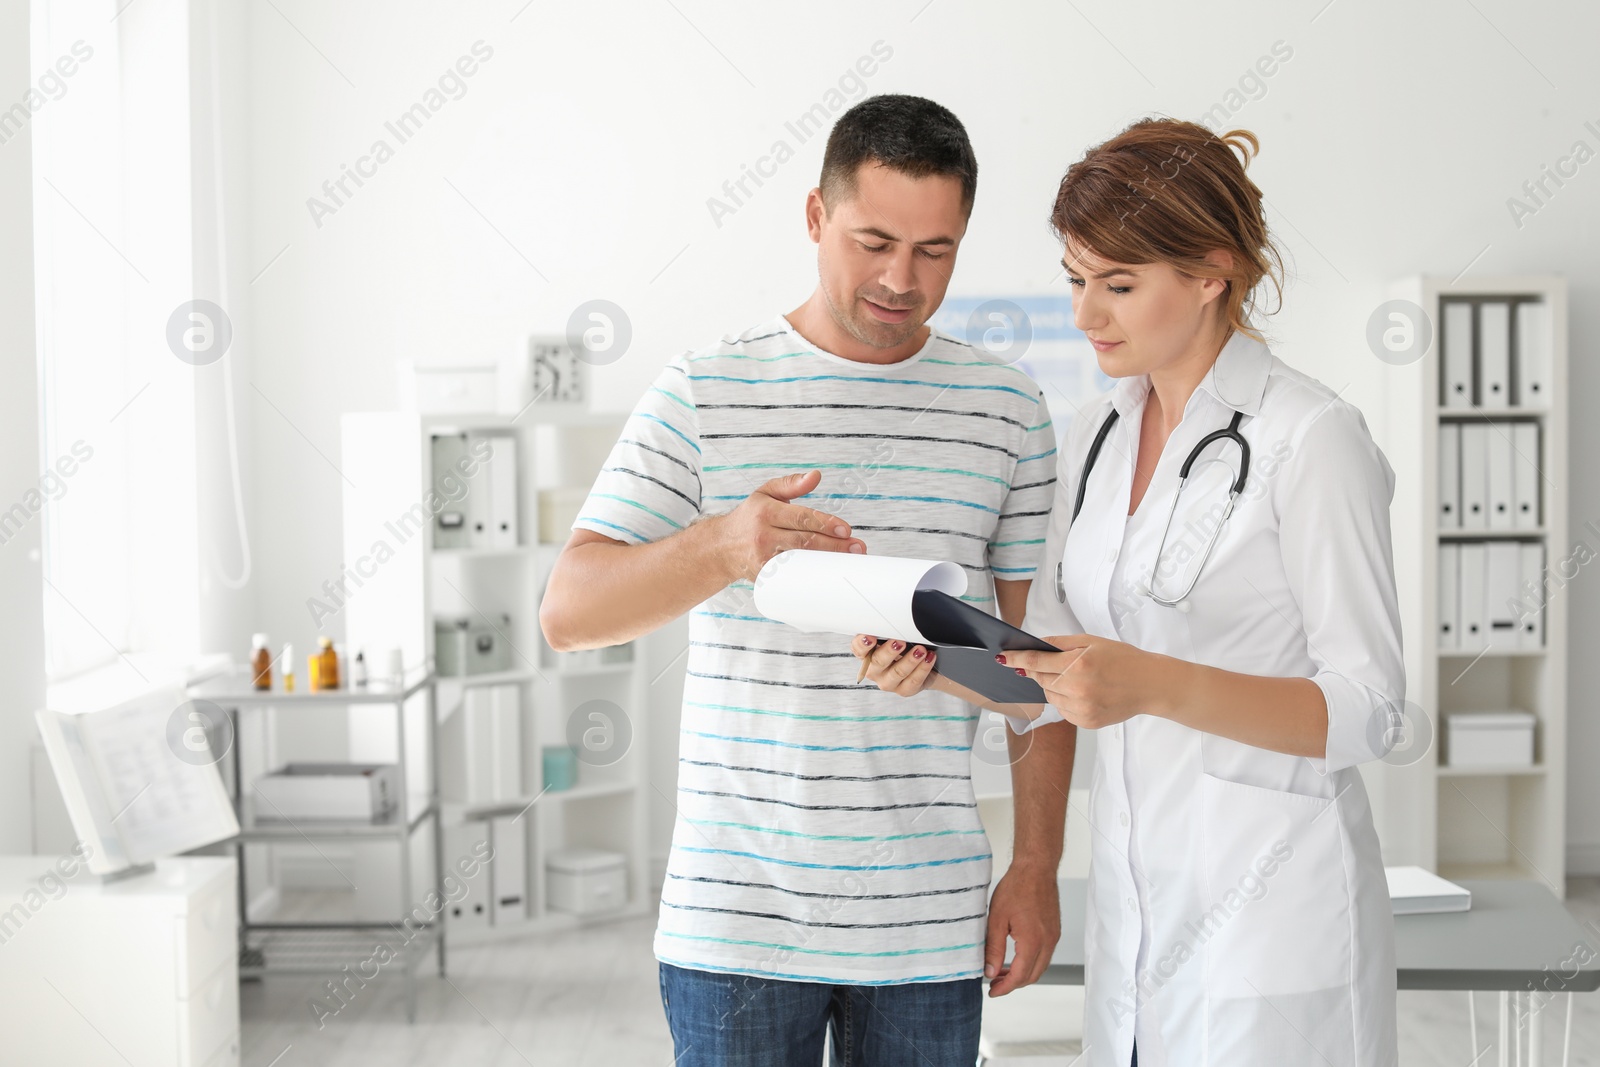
469, 906
1449, 476
1415, 891
502, 531
1475, 476
1500, 587
1449, 591
1470, 599
508, 871
1525, 476
1456, 367
1531, 594
1494, 354
492, 739
1501, 506
1534, 343
475, 505
450, 528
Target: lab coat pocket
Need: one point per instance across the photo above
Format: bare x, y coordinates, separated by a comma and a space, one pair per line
1277, 934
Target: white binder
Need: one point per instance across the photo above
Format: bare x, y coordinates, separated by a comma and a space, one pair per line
1502, 507
506, 704
1449, 476
1456, 370
1500, 587
1530, 592
1494, 354
1475, 476
1470, 599
1449, 592
476, 505
1525, 477
492, 739
468, 904
508, 871
502, 519
1534, 343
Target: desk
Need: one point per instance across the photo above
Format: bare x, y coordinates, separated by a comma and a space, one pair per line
1517, 940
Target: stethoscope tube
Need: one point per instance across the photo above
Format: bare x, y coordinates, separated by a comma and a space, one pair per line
1229, 433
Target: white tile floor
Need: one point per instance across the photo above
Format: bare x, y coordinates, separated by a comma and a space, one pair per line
591, 997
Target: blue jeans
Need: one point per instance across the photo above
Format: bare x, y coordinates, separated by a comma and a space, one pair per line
735, 1020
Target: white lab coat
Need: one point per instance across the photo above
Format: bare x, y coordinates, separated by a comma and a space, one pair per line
1237, 911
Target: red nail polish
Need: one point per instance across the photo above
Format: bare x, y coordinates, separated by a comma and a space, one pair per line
916, 653
1022, 672
999, 659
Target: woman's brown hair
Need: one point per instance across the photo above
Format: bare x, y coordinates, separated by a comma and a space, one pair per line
1168, 191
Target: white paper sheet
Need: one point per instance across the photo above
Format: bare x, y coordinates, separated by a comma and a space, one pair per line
845, 593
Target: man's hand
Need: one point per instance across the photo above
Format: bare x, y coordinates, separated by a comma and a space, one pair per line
1026, 905
766, 523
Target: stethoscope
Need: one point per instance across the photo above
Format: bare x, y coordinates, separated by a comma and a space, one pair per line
1231, 433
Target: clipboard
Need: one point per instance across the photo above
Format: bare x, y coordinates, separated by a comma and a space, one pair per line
967, 640
913, 600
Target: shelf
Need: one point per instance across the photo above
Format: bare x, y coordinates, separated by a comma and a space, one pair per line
1490, 653
472, 681
1468, 414
324, 948
252, 828
1491, 772
235, 690
1531, 533
459, 811
599, 668
531, 415
597, 789
515, 552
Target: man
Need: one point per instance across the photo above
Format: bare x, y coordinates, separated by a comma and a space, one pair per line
828, 867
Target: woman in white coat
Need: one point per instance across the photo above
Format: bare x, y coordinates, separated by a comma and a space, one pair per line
1237, 912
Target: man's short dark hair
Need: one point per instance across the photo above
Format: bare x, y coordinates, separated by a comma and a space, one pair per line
914, 136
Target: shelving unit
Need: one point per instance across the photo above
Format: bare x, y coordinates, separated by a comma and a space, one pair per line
388, 461
321, 948
1476, 822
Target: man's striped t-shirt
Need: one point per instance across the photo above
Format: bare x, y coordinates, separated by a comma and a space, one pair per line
826, 830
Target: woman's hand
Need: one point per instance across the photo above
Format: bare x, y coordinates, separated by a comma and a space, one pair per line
1097, 682
893, 667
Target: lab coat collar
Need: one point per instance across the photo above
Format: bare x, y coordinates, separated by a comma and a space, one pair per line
1237, 380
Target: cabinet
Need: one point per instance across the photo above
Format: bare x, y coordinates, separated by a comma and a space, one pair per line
139, 971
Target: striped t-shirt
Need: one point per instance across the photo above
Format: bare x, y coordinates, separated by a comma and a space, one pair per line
826, 830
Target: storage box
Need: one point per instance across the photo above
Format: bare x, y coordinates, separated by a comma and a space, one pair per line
586, 881
359, 791
447, 389
466, 645
1489, 739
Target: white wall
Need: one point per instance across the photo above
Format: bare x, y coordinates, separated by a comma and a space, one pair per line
21, 584
579, 162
